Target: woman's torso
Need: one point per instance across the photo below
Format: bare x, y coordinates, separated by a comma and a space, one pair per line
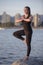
27, 26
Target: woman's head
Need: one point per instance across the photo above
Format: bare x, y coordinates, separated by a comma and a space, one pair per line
27, 10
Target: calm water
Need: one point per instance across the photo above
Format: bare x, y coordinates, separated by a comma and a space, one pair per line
12, 48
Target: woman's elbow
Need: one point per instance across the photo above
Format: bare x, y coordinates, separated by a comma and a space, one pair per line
16, 21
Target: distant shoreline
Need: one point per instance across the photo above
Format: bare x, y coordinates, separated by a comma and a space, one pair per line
18, 27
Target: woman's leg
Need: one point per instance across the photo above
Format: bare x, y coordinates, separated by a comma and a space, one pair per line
18, 34
28, 41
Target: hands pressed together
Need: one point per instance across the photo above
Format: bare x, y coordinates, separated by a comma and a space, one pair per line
23, 19
26, 20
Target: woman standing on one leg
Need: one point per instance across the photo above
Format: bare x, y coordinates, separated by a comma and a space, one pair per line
26, 20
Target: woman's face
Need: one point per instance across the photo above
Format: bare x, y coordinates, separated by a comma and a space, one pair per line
26, 10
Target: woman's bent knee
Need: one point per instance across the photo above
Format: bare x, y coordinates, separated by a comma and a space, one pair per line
14, 34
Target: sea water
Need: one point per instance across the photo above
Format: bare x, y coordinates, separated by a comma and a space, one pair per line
12, 48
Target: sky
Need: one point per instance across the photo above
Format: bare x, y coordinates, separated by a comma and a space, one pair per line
16, 6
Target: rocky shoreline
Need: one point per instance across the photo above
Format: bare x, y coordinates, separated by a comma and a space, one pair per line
31, 61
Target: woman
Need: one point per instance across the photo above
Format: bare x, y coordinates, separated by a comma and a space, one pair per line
26, 20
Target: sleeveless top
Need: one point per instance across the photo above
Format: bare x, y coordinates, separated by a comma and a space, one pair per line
27, 25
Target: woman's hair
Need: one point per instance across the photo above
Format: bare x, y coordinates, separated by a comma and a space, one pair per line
29, 11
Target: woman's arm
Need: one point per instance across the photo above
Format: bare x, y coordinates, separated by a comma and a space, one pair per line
29, 19
21, 19
18, 20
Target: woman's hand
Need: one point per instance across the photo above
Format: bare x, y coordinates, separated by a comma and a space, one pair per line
22, 17
20, 20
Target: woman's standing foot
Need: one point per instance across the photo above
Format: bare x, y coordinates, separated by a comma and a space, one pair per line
25, 58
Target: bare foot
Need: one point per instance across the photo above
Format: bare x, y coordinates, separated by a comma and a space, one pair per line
24, 40
26, 58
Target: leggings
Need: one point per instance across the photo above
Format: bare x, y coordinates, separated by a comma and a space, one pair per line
18, 34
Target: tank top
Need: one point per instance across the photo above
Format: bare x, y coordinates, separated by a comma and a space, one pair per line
27, 25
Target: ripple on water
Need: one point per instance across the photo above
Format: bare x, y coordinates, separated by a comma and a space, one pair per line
12, 49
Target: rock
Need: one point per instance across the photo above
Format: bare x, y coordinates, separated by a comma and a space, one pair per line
31, 61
